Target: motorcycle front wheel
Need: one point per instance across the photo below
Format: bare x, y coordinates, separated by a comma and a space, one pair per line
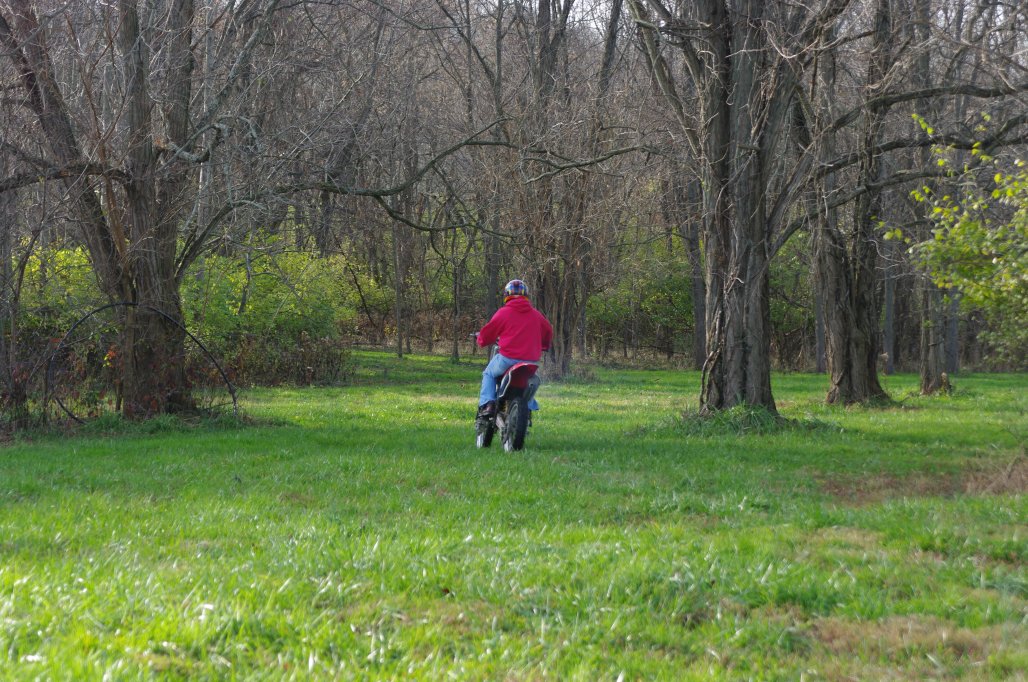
516, 425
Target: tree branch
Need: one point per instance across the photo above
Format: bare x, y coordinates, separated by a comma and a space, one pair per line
889, 99
897, 178
234, 73
197, 241
63, 173
559, 168
659, 68
998, 139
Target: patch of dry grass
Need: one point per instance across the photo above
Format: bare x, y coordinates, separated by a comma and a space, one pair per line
917, 647
977, 477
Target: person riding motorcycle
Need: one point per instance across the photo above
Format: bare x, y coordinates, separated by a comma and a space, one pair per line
523, 333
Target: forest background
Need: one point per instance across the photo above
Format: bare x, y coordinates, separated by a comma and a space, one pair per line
257, 186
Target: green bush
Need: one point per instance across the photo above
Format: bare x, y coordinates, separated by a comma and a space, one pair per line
273, 360
282, 318
59, 288
285, 318
648, 308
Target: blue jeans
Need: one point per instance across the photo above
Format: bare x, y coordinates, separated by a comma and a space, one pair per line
493, 371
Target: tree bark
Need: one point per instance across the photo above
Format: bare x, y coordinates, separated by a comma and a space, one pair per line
734, 57
24, 39
153, 351
398, 308
558, 244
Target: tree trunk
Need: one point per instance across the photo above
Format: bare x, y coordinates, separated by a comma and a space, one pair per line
458, 276
932, 364
820, 364
153, 362
26, 47
850, 272
849, 350
699, 286
933, 341
683, 199
13, 396
738, 365
559, 245
953, 333
493, 286
889, 335
398, 312
324, 233
153, 353
582, 323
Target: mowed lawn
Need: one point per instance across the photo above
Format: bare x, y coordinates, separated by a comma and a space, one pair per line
356, 533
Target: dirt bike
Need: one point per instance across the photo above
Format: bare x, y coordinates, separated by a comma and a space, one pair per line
511, 416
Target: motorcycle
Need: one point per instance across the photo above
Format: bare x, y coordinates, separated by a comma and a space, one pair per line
511, 417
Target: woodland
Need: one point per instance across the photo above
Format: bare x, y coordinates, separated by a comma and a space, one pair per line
234, 192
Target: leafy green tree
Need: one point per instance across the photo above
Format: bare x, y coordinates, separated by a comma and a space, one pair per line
980, 248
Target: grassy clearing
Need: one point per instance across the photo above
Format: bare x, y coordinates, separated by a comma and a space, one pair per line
356, 533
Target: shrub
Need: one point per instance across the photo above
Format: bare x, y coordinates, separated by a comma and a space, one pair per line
273, 360
286, 318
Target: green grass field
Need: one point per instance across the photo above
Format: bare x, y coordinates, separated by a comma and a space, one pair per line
356, 533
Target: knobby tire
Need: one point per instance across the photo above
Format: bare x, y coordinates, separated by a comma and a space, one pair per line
517, 424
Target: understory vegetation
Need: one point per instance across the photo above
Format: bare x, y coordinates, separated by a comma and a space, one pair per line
356, 533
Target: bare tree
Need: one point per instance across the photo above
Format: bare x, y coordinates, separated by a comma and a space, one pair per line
848, 268
743, 60
125, 245
134, 123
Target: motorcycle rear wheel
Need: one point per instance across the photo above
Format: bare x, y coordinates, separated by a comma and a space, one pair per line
516, 425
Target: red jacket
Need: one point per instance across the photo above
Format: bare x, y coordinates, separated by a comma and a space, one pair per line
523, 331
